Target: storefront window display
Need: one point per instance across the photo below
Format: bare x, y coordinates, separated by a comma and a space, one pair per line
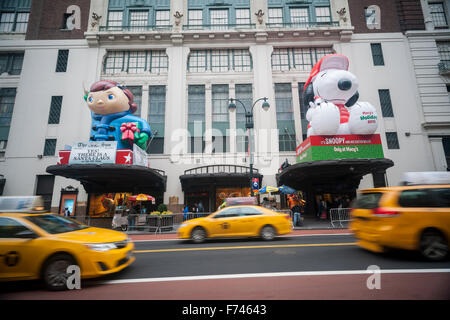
223, 193
105, 204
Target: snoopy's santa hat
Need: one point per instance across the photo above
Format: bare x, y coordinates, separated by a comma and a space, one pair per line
330, 61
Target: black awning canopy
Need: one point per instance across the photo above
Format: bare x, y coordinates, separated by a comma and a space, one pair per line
105, 178
331, 175
203, 181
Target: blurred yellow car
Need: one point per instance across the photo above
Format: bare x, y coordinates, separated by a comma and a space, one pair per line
43, 246
237, 221
406, 217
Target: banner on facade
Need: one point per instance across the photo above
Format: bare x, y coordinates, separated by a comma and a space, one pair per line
340, 147
93, 152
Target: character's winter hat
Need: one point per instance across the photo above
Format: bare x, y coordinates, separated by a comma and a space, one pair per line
330, 61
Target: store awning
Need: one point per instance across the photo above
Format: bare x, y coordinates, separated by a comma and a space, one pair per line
202, 178
331, 175
104, 178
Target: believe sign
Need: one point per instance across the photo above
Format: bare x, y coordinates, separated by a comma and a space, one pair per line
340, 147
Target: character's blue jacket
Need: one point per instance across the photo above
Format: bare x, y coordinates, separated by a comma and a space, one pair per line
107, 127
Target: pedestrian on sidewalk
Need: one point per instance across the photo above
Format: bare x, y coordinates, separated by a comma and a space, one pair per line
322, 211
297, 215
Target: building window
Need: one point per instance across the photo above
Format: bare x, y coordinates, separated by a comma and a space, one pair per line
115, 20
242, 60
323, 14
44, 188
285, 117
137, 98
11, 63
195, 18
297, 58
114, 62
138, 20
3, 144
219, 19
220, 118
156, 118
299, 17
196, 118
280, 59
243, 94
50, 147
137, 61
159, 62
243, 17
302, 59
220, 60
14, 21
55, 110
197, 61
275, 17
162, 18
444, 53
438, 16
7, 100
377, 54
385, 102
392, 140
61, 63
134, 62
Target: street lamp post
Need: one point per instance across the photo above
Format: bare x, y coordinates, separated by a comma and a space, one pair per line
249, 125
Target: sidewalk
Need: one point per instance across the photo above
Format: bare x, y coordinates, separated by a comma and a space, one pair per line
296, 232
309, 224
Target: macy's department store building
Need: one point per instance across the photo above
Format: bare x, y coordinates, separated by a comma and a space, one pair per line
182, 76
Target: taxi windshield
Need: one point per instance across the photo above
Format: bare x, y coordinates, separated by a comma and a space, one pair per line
54, 224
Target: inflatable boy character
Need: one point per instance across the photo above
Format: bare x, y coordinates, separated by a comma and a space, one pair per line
112, 120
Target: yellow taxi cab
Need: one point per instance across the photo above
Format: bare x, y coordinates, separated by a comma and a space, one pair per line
237, 221
405, 217
37, 245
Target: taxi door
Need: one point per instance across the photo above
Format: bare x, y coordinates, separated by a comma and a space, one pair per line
224, 223
249, 222
17, 250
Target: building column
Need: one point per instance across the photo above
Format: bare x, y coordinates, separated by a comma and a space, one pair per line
208, 120
437, 150
266, 141
175, 140
145, 103
232, 119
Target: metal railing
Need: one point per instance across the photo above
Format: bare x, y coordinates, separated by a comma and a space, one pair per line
137, 28
134, 222
225, 168
302, 24
218, 27
339, 215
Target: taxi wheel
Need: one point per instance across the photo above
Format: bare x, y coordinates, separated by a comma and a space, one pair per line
124, 227
198, 235
55, 274
268, 233
433, 245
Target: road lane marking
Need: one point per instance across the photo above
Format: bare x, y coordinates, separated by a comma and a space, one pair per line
285, 236
276, 274
248, 247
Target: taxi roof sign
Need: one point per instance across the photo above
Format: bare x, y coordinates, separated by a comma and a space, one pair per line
241, 201
22, 204
425, 178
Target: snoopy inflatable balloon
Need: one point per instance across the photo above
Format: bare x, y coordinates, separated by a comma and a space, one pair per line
332, 95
